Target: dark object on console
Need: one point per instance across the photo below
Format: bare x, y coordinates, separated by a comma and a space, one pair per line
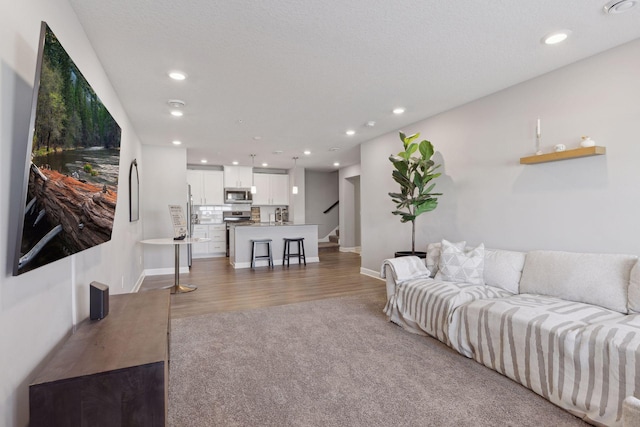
180, 237
99, 301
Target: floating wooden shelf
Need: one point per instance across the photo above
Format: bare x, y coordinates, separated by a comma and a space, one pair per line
564, 155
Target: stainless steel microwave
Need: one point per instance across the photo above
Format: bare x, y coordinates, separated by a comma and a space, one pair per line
237, 195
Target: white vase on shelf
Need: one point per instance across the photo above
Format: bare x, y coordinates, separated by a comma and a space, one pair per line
587, 142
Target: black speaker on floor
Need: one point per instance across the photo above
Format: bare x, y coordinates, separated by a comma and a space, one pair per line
98, 300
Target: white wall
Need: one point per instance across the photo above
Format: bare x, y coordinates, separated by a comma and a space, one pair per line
582, 205
322, 188
165, 183
349, 186
39, 308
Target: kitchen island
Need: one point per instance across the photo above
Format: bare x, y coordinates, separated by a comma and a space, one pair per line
240, 237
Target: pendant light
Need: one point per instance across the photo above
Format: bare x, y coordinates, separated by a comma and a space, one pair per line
294, 189
254, 190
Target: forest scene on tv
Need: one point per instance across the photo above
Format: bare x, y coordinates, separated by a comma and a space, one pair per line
73, 168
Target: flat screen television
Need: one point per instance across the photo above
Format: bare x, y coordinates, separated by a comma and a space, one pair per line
73, 159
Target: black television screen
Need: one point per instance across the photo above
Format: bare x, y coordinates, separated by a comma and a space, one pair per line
73, 159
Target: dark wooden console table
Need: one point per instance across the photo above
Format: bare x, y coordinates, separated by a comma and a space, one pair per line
111, 372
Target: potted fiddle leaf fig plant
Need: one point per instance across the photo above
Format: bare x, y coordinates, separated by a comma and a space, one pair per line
414, 171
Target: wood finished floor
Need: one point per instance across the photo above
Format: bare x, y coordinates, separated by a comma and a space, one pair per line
222, 288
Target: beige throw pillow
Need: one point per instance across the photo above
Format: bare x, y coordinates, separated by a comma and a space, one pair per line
458, 265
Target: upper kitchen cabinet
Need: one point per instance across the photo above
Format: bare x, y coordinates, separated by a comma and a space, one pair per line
206, 187
272, 189
238, 176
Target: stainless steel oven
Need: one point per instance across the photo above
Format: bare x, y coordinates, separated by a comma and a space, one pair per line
236, 216
237, 195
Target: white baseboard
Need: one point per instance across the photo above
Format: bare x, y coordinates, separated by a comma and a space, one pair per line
136, 287
276, 262
355, 249
371, 273
162, 271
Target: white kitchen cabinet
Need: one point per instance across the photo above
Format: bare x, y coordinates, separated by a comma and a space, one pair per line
238, 176
263, 193
280, 190
213, 187
218, 236
194, 179
272, 189
200, 232
216, 246
206, 187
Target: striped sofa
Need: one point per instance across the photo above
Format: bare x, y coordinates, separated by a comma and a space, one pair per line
565, 325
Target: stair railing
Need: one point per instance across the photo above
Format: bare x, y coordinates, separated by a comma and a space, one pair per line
331, 207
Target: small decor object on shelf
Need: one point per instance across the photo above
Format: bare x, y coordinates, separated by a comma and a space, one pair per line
538, 136
587, 142
559, 147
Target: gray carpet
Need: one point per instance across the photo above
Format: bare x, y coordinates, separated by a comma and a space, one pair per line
334, 362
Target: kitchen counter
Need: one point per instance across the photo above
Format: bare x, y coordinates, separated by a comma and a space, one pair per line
240, 236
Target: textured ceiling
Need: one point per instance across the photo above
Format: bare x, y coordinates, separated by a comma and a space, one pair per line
298, 74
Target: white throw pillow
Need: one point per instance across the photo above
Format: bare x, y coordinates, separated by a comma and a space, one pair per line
598, 279
503, 269
634, 289
433, 255
456, 265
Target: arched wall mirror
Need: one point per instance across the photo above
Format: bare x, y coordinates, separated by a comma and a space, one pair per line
134, 192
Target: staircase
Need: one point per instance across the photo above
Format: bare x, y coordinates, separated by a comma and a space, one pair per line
332, 245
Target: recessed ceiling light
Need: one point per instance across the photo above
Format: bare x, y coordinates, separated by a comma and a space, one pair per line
370, 124
177, 113
350, 132
203, 161
306, 152
398, 110
336, 164
264, 165
334, 148
257, 138
176, 103
177, 75
235, 163
556, 37
176, 142
619, 6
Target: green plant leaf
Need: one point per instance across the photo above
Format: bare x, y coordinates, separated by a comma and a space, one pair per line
427, 206
426, 149
409, 139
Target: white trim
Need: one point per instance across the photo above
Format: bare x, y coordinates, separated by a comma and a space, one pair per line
371, 273
138, 284
161, 271
355, 249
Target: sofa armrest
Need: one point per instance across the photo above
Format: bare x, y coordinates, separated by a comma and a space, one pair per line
391, 282
631, 412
